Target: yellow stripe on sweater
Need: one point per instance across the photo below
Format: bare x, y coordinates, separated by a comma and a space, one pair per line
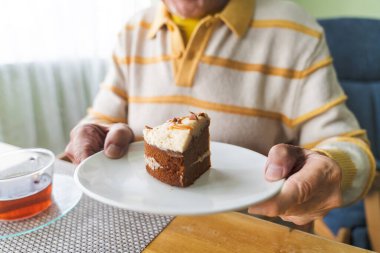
142, 24
265, 69
120, 92
320, 110
236, 65
141, 60
187, 100
355, 133
104, 117
286, 25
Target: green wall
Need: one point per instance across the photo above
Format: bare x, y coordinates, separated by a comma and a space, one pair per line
342, 8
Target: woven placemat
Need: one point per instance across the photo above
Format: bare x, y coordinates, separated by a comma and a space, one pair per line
90, 227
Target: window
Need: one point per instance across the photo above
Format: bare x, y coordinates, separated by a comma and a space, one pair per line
42, 30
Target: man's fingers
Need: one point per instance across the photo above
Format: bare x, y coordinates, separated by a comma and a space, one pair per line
298, 220
85, 140
277, 205
84, 150
294, 192
307, 193
282, 161
68, 152
117, 140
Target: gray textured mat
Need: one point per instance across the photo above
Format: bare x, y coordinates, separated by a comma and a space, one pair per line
91, 227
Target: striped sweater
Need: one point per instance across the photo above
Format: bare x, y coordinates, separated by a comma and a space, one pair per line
261, 70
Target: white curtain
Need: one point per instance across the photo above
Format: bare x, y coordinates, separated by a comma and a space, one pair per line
53, 29
41, 102
52, 59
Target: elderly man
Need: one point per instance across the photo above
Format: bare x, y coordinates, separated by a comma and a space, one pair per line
262, 71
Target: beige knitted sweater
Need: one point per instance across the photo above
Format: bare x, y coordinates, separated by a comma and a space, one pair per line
261, 70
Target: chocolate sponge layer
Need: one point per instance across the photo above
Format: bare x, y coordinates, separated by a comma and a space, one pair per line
179, 169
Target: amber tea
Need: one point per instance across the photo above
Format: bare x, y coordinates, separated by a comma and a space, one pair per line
25, 183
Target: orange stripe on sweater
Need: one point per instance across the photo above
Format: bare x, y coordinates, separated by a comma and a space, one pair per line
265, 69
285, 24
105, 117
187, 100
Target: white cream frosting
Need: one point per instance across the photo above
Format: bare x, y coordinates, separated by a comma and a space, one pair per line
202, 157
152, 163
176, 136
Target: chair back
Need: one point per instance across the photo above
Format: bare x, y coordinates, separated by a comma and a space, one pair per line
355, 47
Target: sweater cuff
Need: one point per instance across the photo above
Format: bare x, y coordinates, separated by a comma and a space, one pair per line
345, 163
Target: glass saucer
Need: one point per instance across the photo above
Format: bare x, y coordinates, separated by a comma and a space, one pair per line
65, 196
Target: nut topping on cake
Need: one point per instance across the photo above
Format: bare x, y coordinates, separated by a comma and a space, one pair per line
173, 120
193, 116
148, 127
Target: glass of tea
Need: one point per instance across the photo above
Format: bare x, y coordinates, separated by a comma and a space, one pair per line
25, 183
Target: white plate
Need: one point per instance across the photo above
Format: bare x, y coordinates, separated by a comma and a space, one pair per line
235, 181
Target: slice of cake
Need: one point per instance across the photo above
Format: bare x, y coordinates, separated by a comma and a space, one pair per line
178, 151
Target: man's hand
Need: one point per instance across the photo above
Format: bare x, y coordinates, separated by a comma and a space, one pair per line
311, 188
86, 140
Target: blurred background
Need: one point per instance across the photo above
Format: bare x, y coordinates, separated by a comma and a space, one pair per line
53, 55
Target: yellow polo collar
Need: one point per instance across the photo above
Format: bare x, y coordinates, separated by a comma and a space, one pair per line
236, 15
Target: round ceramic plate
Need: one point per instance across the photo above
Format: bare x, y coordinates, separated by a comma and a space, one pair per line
235, 181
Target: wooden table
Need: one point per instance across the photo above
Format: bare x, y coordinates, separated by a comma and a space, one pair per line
234, 232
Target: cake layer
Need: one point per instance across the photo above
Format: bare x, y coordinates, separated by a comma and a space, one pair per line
196, 170
179, 169
197, 147
166, 166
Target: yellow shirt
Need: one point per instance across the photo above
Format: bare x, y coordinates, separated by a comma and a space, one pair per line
186, 26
